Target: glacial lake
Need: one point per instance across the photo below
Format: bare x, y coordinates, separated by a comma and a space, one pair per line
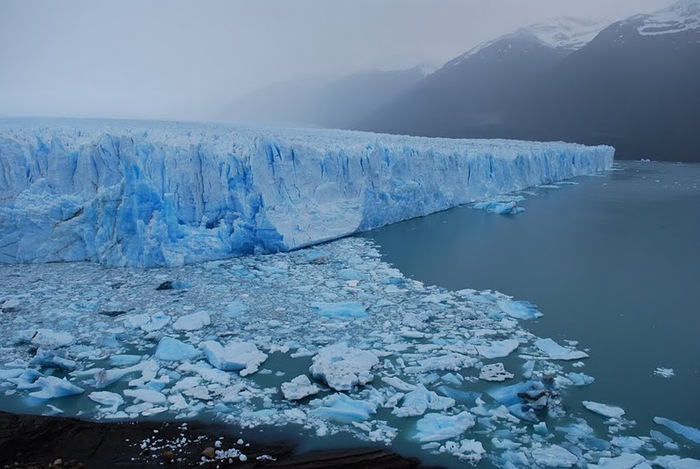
610, 260
613, 262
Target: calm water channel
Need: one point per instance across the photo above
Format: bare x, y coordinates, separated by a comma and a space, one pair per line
612, 261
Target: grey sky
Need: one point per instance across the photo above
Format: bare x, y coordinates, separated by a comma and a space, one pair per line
187, 59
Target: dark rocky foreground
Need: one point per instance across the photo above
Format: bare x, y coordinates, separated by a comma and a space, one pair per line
30, 441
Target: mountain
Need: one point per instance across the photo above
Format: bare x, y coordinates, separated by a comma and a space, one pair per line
632, 84
336, 104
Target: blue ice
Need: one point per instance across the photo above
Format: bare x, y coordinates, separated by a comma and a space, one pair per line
149, 194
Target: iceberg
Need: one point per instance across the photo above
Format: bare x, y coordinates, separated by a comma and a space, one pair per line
147, 194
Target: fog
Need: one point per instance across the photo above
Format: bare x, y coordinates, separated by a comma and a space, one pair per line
189, 59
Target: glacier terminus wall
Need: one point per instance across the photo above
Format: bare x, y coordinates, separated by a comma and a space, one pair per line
130, 193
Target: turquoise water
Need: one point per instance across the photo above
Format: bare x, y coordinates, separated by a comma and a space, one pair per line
612, 261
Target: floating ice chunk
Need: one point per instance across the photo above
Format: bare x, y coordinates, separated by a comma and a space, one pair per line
438, 427
147, 322
11, 373
509, 395
418, 401
192, 322
156, 322
350, 274
104, 378
494, 372
50, 339
49, 359
603, 409
501, 208
170, 349
664, 372
498, 349
463, 397
299, 388
52, 387
554, 456
557, 352
235, 309
110, 399
343, 367
124, 360
519, 309
347, 309
235, 356
580, 379
624, 461
342, 408
470, 451
676, 462
27, 379
631, 443
398, 383
451, 362
135, 321
146, 395
693, 434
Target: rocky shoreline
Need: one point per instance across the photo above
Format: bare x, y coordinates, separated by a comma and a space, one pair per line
32, 441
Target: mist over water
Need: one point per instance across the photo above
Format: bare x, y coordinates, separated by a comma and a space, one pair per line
612, 262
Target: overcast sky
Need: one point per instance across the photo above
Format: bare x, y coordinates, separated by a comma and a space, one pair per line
188, 59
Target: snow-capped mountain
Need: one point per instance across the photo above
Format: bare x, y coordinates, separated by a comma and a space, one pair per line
562, 34
679, 17
632, 84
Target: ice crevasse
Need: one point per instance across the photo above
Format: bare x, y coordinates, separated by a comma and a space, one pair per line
147, 194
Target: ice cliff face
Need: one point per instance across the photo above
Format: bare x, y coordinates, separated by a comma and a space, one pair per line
163, 194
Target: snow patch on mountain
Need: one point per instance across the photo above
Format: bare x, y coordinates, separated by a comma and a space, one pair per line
682, 16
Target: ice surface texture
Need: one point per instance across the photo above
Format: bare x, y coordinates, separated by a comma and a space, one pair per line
147, 194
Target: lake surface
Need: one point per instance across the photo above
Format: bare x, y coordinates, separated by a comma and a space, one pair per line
612, 261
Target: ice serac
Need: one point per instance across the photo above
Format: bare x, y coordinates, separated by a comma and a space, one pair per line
164, 194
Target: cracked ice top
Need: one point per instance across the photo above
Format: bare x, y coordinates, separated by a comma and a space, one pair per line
129, 193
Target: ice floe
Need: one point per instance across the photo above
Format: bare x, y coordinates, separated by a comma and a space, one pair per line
605, 410
402, 365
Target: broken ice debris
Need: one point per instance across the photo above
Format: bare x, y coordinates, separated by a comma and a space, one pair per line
603, 409
50, 339
501, 208
519, 309
49, 359
346, 309
235, 356
299, 388
557, 352
664, 372
343, 367
554, 456
418, 401
470, 451
494, 372
438, 427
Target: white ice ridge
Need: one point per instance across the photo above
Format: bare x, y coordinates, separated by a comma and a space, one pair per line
144, 194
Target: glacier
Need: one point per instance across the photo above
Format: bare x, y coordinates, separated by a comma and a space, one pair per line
148, 194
